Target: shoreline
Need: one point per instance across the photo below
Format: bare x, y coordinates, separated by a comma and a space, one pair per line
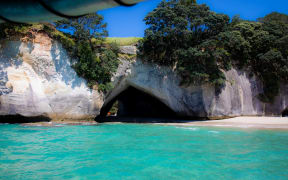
244, 122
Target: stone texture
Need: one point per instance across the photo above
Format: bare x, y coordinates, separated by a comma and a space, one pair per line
237, 98
36, 79
128, 49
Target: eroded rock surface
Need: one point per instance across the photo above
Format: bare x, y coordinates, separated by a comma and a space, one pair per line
237, 98
36, 79
128, 49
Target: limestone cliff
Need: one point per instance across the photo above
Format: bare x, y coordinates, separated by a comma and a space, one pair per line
237, 98
36, 79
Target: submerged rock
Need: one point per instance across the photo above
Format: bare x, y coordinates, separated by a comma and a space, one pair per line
36, 79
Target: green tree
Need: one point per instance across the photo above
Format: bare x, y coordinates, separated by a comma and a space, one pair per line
96, 62
274, 16
84, 28
83, 40
175, 31
199, 44
187, 2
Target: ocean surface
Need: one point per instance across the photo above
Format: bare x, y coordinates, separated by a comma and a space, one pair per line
141, 151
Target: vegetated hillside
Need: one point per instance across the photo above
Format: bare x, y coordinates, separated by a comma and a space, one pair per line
199, 44
96, 60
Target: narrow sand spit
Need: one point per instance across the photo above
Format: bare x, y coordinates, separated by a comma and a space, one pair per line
241, 122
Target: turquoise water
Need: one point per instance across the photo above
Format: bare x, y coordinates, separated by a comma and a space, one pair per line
137, 151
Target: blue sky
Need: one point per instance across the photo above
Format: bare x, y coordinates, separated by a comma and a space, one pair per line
128, 21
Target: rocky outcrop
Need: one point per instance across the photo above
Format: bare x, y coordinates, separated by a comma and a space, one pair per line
237, 98
36, 79
128, 50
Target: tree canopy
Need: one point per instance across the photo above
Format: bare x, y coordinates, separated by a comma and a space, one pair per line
274, 16
96, 62
199, 44
85, 27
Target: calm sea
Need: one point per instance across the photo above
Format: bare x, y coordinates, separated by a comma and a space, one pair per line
141, 151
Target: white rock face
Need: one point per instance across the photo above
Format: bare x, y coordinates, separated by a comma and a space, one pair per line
237, 98
128, 49
36, 79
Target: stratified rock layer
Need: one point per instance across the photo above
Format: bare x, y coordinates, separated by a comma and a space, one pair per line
36, 79
237, 98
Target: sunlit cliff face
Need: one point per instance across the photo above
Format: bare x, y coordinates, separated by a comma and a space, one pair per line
239, 96
36, 79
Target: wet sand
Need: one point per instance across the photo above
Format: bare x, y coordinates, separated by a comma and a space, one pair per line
241, 122
237, 122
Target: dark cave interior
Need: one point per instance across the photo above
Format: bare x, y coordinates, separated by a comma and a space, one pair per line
285, 112
135, 103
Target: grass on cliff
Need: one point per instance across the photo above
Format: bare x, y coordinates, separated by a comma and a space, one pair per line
127, 41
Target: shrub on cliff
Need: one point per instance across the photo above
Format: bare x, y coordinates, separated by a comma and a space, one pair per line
199, 44
97, 68
96, 62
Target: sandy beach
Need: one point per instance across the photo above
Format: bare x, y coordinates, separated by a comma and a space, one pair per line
237, 122
241, 122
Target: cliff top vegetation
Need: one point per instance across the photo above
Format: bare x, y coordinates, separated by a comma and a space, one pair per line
199, 44
123, 41
97, 59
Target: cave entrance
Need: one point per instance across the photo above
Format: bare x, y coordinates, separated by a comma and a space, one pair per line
135, 103
285, 113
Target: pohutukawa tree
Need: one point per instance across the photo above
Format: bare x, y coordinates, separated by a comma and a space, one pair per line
180, 34
187, 2
199, 44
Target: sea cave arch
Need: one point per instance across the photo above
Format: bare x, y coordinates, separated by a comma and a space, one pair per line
285, 112
133, 102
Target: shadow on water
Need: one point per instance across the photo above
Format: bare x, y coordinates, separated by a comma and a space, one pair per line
14, 119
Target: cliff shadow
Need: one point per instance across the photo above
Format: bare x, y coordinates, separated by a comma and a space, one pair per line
15, 119
136, 106
285, 112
